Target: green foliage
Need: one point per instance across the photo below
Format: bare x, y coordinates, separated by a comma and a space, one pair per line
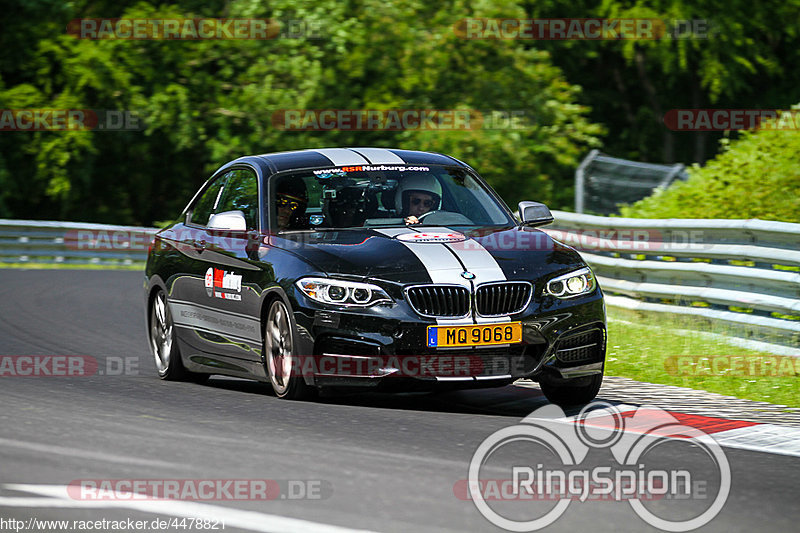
204, 102
208, 101
747, 58
756, 176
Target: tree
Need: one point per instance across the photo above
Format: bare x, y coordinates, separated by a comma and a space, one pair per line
755, 176
204, 102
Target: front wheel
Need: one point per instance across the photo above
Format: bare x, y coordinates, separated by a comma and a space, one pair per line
283, 365
576, 391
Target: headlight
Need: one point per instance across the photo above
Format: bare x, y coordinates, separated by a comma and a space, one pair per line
338, 292
573, 284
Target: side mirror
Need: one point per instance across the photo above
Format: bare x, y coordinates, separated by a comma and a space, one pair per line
229, 220
534, 214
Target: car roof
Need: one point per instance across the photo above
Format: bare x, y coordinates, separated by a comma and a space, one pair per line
336, 157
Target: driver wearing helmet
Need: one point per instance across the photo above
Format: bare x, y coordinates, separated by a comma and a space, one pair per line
291, 199
417, 195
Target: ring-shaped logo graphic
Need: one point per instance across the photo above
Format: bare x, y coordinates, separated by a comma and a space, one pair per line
570, 443
714, 452
612, 436
521, 432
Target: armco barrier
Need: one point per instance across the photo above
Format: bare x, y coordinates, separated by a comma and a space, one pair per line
37, 241
742, 272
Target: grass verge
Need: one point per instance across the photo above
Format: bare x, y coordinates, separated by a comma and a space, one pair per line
675, 350
71, 266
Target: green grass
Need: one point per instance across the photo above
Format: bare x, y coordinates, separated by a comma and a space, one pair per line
651, 349
71, 266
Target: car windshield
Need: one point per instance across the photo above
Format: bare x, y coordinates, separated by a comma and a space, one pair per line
383, 195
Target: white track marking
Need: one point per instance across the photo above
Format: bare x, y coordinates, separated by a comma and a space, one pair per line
56, 496
768, 438
74, 452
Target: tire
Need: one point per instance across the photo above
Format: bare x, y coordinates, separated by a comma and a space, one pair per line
280, 355
577, 391
164, 345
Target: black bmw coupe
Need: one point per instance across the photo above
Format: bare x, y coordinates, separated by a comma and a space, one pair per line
389, 269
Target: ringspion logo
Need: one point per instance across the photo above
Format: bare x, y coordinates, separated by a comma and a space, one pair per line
545, 456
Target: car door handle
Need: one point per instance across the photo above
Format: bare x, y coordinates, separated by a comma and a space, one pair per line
201, 245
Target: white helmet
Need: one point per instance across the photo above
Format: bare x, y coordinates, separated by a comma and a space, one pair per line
426, 183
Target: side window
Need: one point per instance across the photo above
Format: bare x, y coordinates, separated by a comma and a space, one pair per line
241, 194
205, 204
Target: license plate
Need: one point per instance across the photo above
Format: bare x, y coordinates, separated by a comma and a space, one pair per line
483, 335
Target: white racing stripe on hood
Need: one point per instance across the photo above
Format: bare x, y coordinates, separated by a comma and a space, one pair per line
482, 263
443, 267
440, 264
379, 156
342, 156
477, 260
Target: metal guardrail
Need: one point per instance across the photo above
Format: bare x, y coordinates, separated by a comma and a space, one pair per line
742, 272
603, 182
44, 242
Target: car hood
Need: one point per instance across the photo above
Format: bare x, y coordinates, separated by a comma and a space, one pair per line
433, 254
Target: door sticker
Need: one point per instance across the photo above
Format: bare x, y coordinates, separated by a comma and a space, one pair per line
223, 284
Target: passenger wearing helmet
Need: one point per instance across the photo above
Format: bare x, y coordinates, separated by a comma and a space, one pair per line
291, 199
416, 195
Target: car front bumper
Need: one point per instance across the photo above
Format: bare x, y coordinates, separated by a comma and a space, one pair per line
386, 346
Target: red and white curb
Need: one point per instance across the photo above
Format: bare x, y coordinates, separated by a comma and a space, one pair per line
729, 433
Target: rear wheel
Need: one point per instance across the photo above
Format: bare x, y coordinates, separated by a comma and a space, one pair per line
163, 343
280, 356
577, 391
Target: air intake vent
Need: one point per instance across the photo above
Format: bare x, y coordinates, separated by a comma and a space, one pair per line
439, 300
581, 347
506, 298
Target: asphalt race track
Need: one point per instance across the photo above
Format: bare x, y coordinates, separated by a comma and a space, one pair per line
372, 462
